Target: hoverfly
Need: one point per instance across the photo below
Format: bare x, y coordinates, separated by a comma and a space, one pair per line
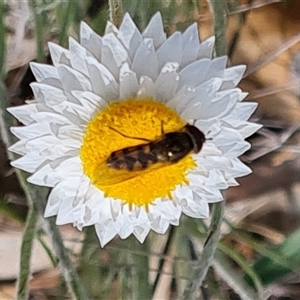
129, 162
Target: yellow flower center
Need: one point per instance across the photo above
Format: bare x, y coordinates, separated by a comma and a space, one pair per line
128, 124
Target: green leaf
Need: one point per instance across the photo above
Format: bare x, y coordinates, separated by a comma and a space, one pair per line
9, 212
278, 260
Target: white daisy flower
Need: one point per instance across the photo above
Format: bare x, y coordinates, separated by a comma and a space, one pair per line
131, 89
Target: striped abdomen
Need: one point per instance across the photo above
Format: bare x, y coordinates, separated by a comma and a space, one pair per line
132, 158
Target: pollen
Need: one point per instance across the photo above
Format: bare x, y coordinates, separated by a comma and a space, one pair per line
127, 124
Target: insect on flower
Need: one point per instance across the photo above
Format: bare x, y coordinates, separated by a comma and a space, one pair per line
169, 148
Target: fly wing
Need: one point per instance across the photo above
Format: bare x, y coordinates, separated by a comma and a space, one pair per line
106, 175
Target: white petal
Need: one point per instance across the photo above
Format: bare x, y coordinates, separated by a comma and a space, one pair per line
216, 179
167, 82
128, 82
211, 194
90, 40
181, 99
247, 129
210, 149
57, 171
29, 162
170, 51
129, 35
190, 40
123, 225
200, 106
232, 182
111, 28
48, 94
195, 207
70, 132
61, 191
73, 80
98, 205
217, 67
18, 147
24, 112
31, 131
242, 111
59, 55
46, 74
209, 127
103, 81
212, 162
145, 60
65, 213
231, 142
169, 211
238, 169
155, 30
50, 147
223, 105
105, 232
196, 210
51, 118
141, 232
205, 49
146, 88
191, 74
114, 54
160, 225
90, 100
78, 56
232, 76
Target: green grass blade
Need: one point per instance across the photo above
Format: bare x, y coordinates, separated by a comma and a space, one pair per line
220, 25
25, 254
278, 260
2, 39
39, 30
68, 14
48, 251
274, 253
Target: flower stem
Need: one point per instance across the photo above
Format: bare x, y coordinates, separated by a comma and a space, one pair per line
115, 12
207, 255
